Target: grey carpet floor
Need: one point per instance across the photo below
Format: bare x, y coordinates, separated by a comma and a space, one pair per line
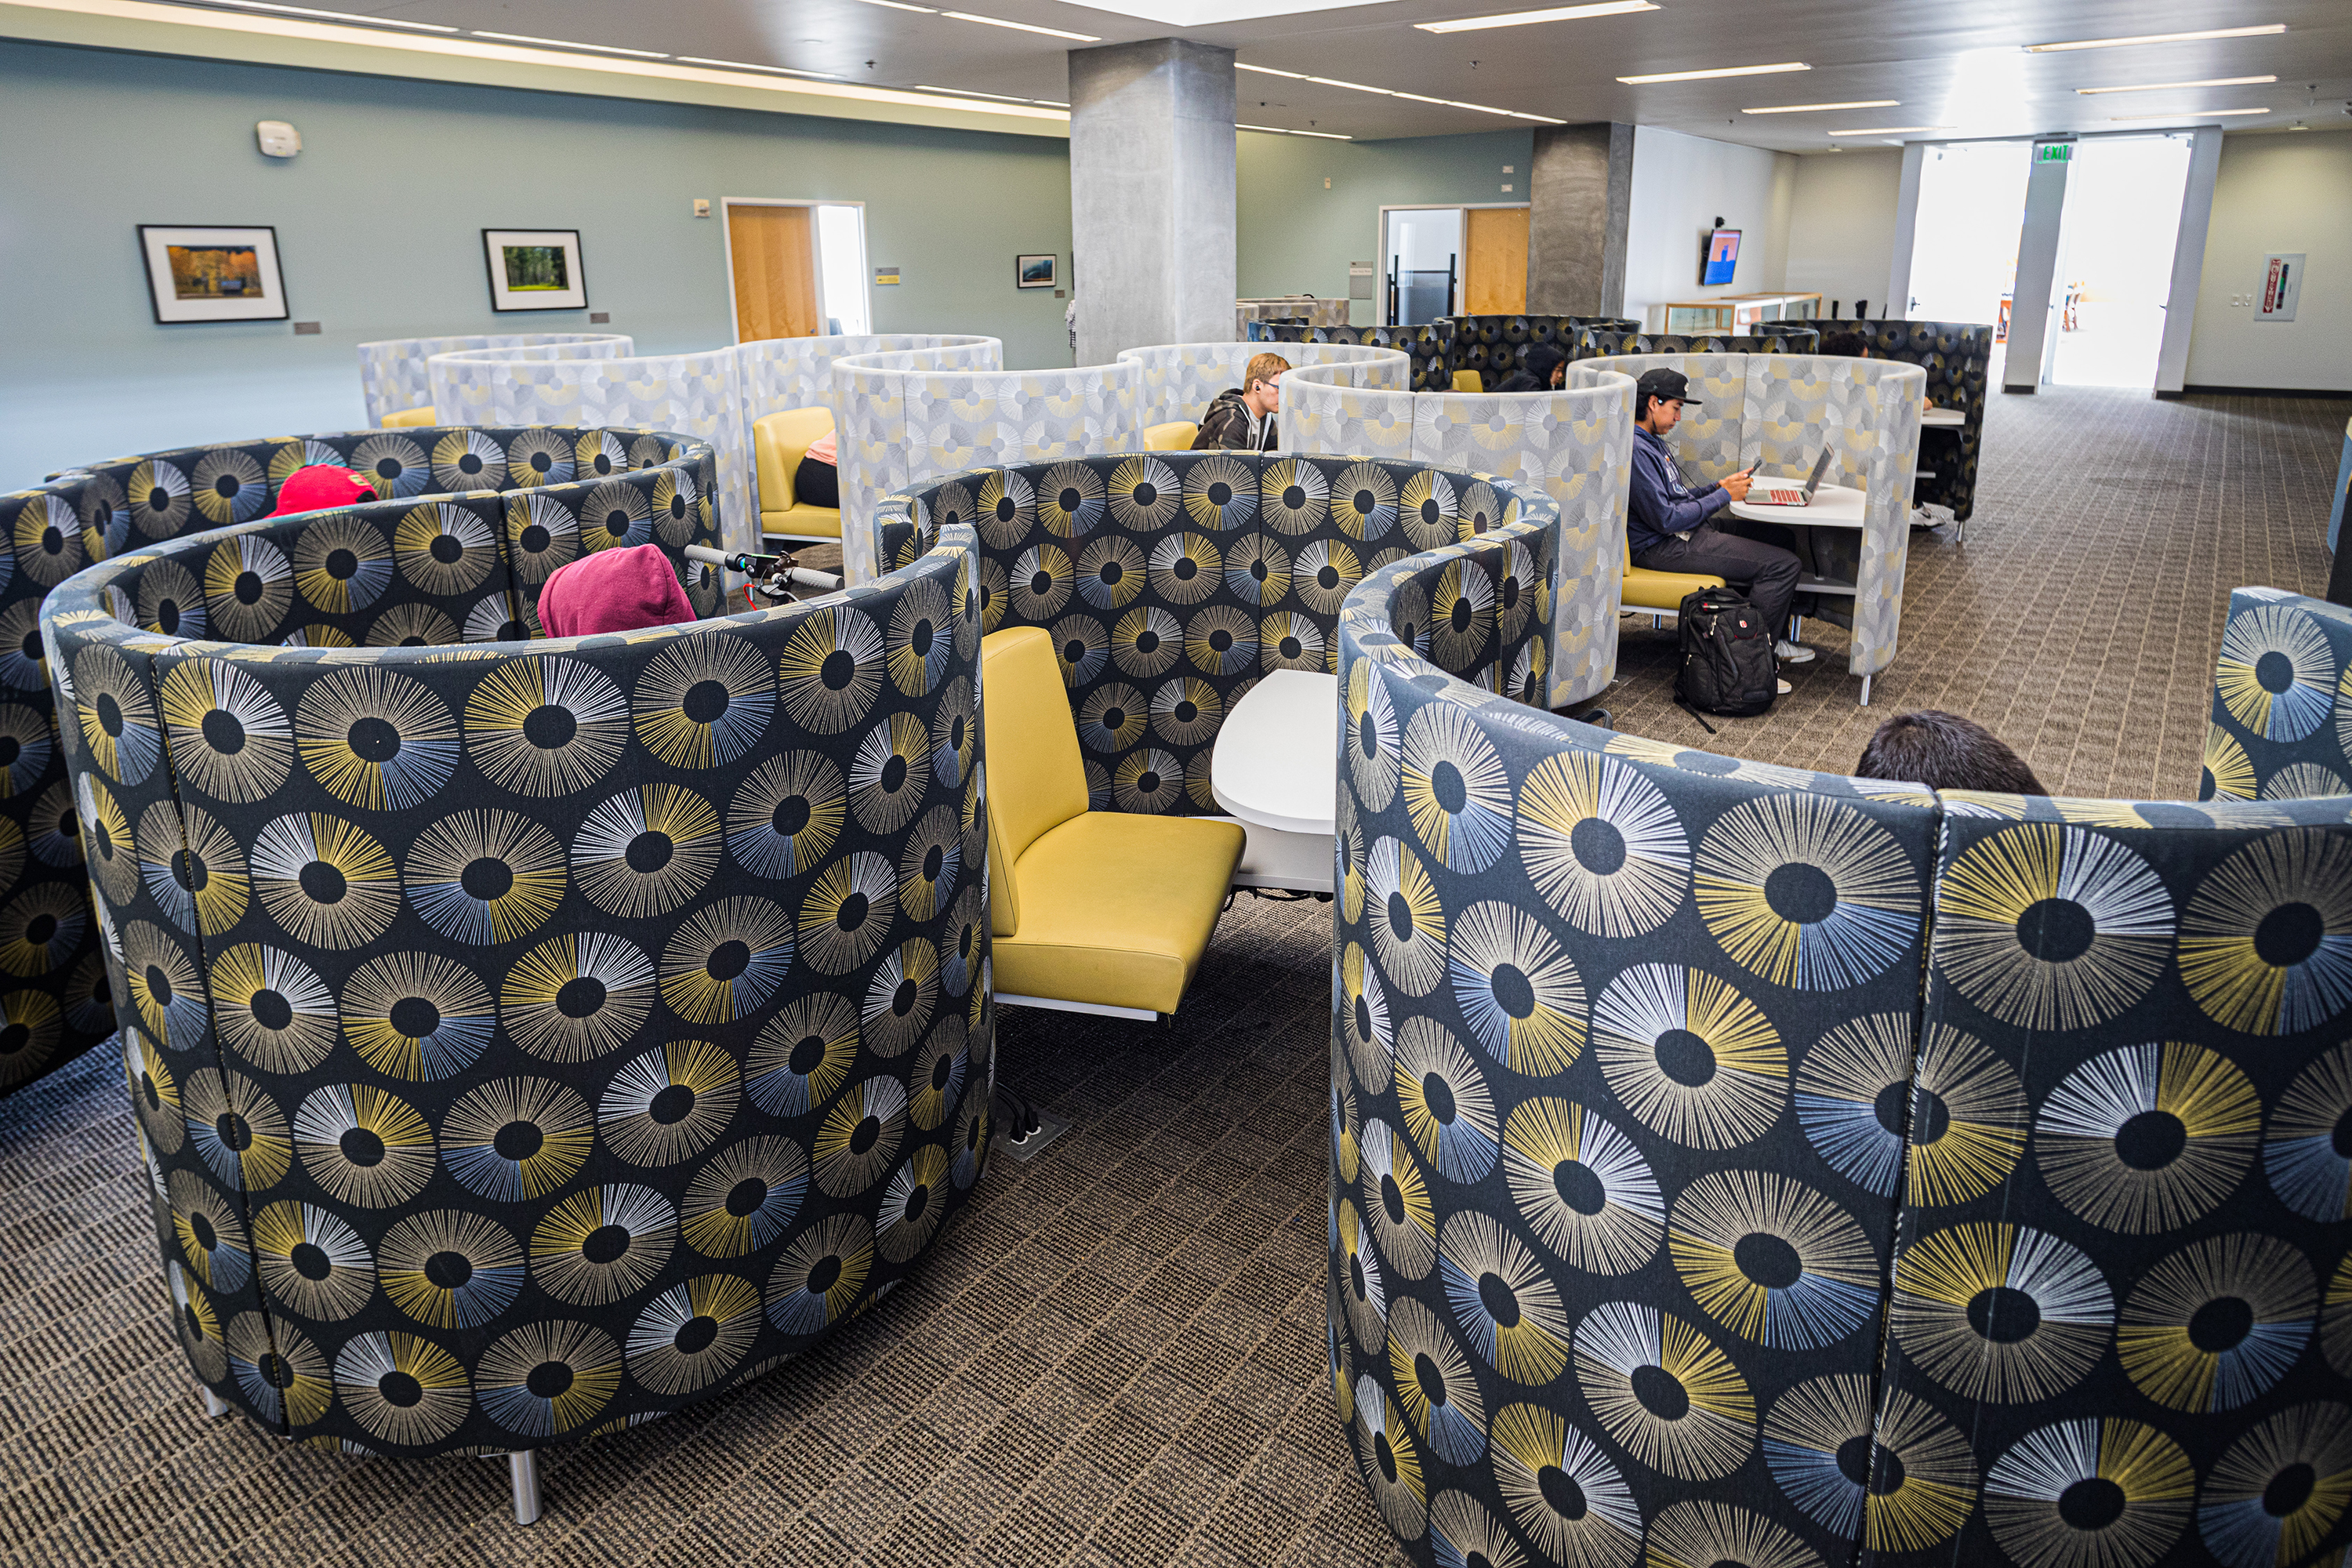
1116, 1357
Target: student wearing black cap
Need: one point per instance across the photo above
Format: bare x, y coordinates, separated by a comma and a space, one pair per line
1669, 526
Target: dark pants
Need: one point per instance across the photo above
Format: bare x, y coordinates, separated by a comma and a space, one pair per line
816, 484
1736, 551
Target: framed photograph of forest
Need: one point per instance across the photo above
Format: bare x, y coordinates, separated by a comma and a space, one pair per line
535, 270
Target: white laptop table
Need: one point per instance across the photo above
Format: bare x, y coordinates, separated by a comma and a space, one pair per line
1276, 770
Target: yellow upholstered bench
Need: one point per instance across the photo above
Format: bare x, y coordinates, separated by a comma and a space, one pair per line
779, 442
1095, 911
1660, 593
409, 418
1176, 436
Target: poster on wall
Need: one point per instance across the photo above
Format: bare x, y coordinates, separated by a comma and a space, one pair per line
212, 274
1034, 271
2282, 287
535, 270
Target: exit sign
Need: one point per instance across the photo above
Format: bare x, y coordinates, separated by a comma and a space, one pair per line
2055, 152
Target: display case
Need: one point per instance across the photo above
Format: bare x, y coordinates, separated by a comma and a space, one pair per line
1735, 313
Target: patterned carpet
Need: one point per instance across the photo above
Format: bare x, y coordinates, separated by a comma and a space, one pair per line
1116, 1357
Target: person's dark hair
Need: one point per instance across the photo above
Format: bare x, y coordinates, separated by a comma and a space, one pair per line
1944, 750
1845, 344
1540, 360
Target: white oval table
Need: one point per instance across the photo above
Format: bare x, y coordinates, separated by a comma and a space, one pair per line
1834, 506
1276, 770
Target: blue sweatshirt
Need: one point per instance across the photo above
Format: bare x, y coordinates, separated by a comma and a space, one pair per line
1661, 504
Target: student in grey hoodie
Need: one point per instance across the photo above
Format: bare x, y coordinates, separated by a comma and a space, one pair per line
1240, 418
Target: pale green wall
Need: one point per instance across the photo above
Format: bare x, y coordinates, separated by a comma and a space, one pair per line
379, 224
1297, 237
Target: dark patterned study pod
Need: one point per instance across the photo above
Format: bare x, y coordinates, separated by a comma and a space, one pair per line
527, 1037
1672, 1222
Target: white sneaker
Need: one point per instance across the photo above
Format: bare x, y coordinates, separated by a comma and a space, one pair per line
1785, 687
1792, 653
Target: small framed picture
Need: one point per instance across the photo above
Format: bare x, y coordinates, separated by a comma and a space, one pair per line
212, 274
535, 270
1035, 271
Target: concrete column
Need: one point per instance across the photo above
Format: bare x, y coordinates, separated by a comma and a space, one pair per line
1152, 196
2030, 337
1579, 189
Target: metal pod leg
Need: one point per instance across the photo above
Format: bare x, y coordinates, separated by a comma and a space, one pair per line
523, 1470
214, 1406
1865, 691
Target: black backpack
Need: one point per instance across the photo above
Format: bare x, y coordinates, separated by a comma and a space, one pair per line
1727, 656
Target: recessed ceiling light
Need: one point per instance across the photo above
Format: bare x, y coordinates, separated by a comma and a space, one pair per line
568, 44
1818, 108
1721, 70
748, 65
1022, 26
902, 6
967, 93
1521, 18
2162, 86
2157, 39
1267, 71
2190, 114
1352, 86
337, 16
1278, 131
1893, 130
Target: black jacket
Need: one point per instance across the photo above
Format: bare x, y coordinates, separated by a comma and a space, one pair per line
1226, 427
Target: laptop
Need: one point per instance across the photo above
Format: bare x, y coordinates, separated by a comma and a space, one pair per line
1782, 495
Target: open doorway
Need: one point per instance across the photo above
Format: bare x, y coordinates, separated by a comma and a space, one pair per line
1964, 242
795, 268
1421, 264
2116, 239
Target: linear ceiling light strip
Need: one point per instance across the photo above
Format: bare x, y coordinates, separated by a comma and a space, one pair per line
1388, 92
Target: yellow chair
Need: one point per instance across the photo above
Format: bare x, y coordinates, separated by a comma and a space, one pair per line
779, 442
1092, 911
1176, 436
410, 418
1469, 381
1660, 593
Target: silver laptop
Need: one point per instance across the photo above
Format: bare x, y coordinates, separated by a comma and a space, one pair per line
1782, 495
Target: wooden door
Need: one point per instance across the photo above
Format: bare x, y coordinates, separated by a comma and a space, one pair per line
775, 272
1495, 283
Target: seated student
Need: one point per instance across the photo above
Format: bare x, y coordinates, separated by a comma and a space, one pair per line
1944, 750
1543, 369
1669, 526
1240, 418
613, 591
817, 481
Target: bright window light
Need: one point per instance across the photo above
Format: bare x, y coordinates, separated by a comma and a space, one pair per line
2190, 114
2167, 86
780, 70
2157, 39
1522, 18
1822, 107
1719, 70
841, 258
337, 16
1022, 26
568, 44
1895, 130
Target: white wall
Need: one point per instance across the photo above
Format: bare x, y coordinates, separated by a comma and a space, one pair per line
2278, 191
1681, 184
1842, 226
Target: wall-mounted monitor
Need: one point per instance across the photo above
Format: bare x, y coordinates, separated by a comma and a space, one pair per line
1721, 259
